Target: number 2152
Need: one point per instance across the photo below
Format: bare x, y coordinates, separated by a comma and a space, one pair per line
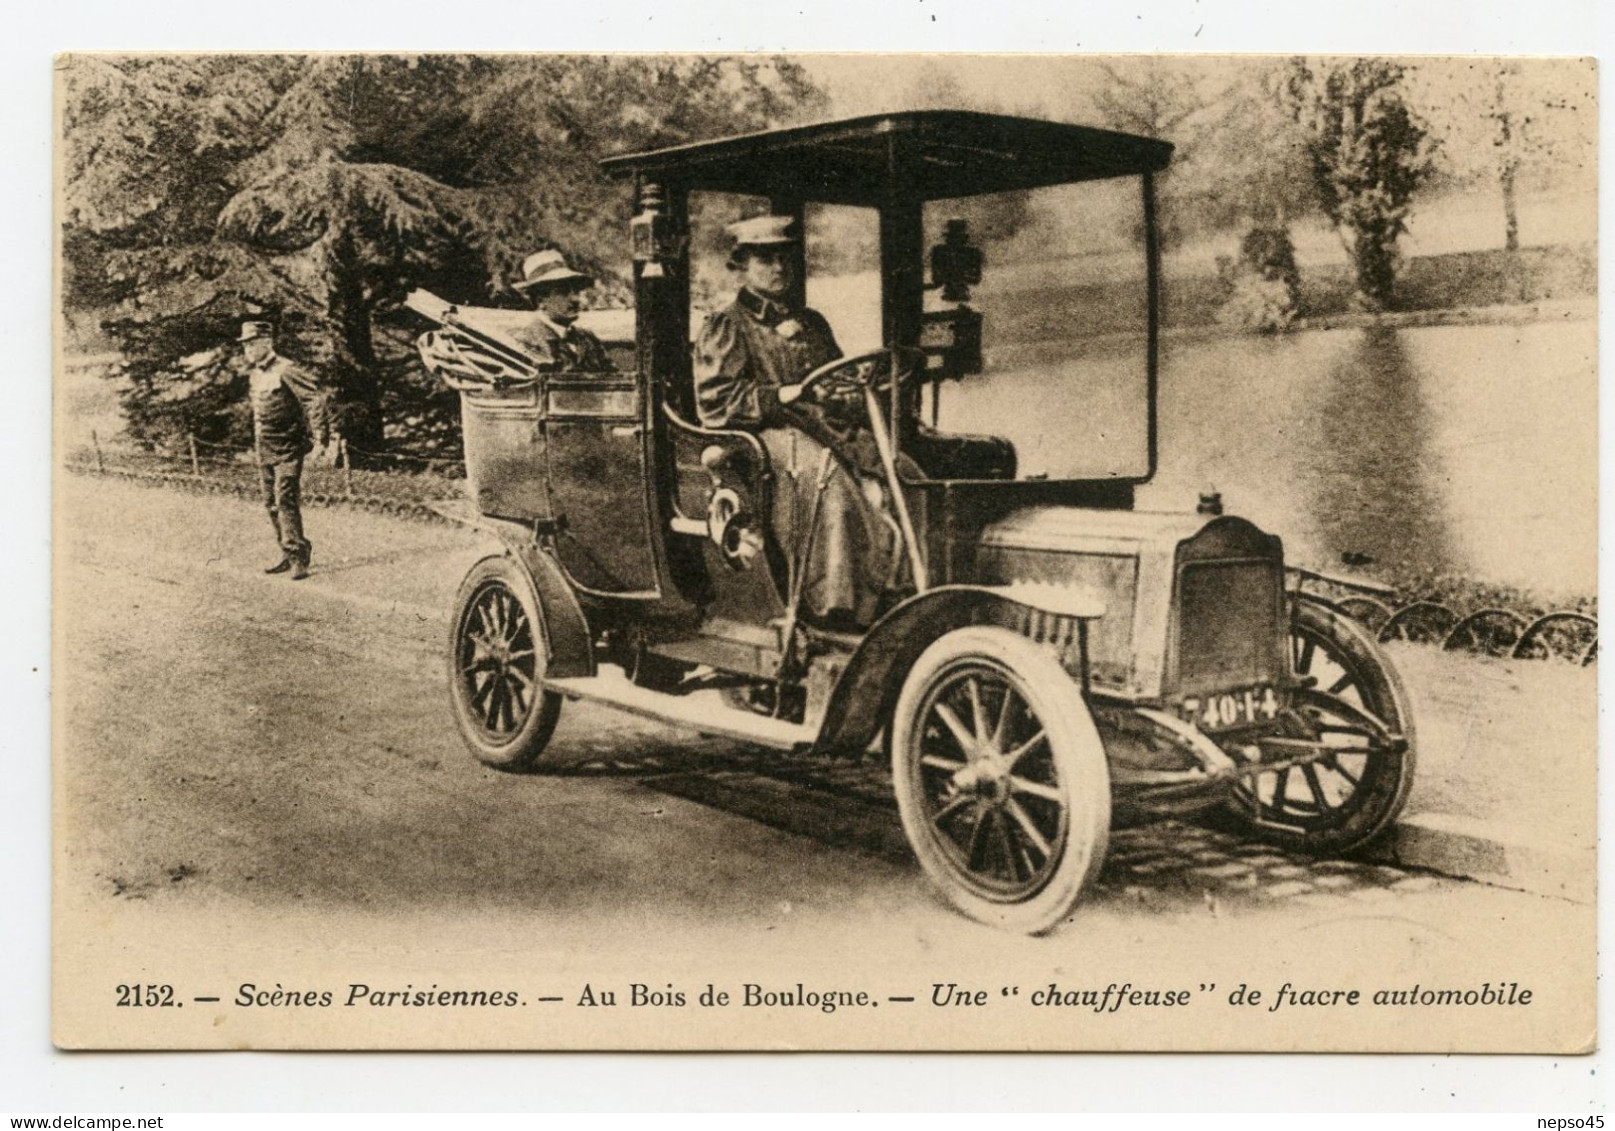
147, 995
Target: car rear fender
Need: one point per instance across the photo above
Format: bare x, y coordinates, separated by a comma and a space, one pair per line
862, 702
566, 630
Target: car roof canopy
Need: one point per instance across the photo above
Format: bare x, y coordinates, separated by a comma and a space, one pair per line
931, 155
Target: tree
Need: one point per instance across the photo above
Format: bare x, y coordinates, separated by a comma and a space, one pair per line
1263, 283
1252, 168
548, 121
1511, 127
1158, 98
994, 217
1254, 177
202, 189
1368, 154
319, 189
1517, 124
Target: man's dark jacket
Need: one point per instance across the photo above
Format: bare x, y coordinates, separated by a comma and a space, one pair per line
290, 415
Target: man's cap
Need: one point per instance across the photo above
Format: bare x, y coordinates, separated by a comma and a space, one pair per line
549, 269
251, 330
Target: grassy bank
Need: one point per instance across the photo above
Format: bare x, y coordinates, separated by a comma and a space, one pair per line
1454, 281
1057, 301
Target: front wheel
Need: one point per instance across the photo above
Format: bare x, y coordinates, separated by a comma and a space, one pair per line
497, 660
1355, 706
1001, 778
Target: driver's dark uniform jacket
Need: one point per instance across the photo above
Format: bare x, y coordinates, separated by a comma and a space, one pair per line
743, 355
290, 412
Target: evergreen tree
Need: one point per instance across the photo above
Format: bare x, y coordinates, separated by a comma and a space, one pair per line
319, 189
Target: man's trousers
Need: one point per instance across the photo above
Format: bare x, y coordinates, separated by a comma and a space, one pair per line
283, 499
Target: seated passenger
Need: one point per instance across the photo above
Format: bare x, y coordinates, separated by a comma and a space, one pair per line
744, 355
553, 335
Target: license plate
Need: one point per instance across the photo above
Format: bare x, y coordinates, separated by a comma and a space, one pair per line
1230, 710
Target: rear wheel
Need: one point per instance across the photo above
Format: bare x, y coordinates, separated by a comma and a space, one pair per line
497, 660
1001, 778
1355, 705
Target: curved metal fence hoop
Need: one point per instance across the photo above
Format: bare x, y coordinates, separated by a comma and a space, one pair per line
1491, 631
1422, 622
1537, 635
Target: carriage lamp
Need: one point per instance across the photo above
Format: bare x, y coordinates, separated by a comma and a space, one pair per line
1210, 502
955, 264
966, 353
653, 237
954, 337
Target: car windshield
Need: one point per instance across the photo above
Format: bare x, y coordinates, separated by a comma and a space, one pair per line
1064, 300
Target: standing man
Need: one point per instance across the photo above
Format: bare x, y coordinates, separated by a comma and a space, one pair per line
290, 415
553, 335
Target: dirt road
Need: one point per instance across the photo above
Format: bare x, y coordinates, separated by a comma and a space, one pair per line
240, 756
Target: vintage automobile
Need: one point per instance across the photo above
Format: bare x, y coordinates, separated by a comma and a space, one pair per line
1052, 659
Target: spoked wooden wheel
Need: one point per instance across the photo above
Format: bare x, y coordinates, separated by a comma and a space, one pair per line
1001, 778
497, 661
1356, 708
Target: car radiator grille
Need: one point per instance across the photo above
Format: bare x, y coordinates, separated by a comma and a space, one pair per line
1228, 616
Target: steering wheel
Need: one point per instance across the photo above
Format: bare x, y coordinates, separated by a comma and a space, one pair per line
844, 380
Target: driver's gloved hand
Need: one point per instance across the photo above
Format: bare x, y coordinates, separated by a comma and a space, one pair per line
844, 399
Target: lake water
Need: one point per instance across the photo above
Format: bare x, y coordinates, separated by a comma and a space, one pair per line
1470, 450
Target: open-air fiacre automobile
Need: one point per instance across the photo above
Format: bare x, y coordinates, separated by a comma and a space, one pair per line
1052, 658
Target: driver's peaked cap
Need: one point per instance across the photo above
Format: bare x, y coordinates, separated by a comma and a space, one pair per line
762, 231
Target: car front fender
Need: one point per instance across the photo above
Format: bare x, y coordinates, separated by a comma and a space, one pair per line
862, 702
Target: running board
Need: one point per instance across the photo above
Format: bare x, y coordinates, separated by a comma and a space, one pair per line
702, 711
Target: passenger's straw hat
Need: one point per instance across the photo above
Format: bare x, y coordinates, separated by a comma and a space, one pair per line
251, 330
548, 269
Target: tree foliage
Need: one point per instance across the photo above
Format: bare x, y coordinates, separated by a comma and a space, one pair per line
1264, 284
994, 217
319, 189
1368, 152
1251, 169
1166, 99
1515, 125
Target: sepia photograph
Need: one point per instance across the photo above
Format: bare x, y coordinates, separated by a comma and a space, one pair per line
825, 552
